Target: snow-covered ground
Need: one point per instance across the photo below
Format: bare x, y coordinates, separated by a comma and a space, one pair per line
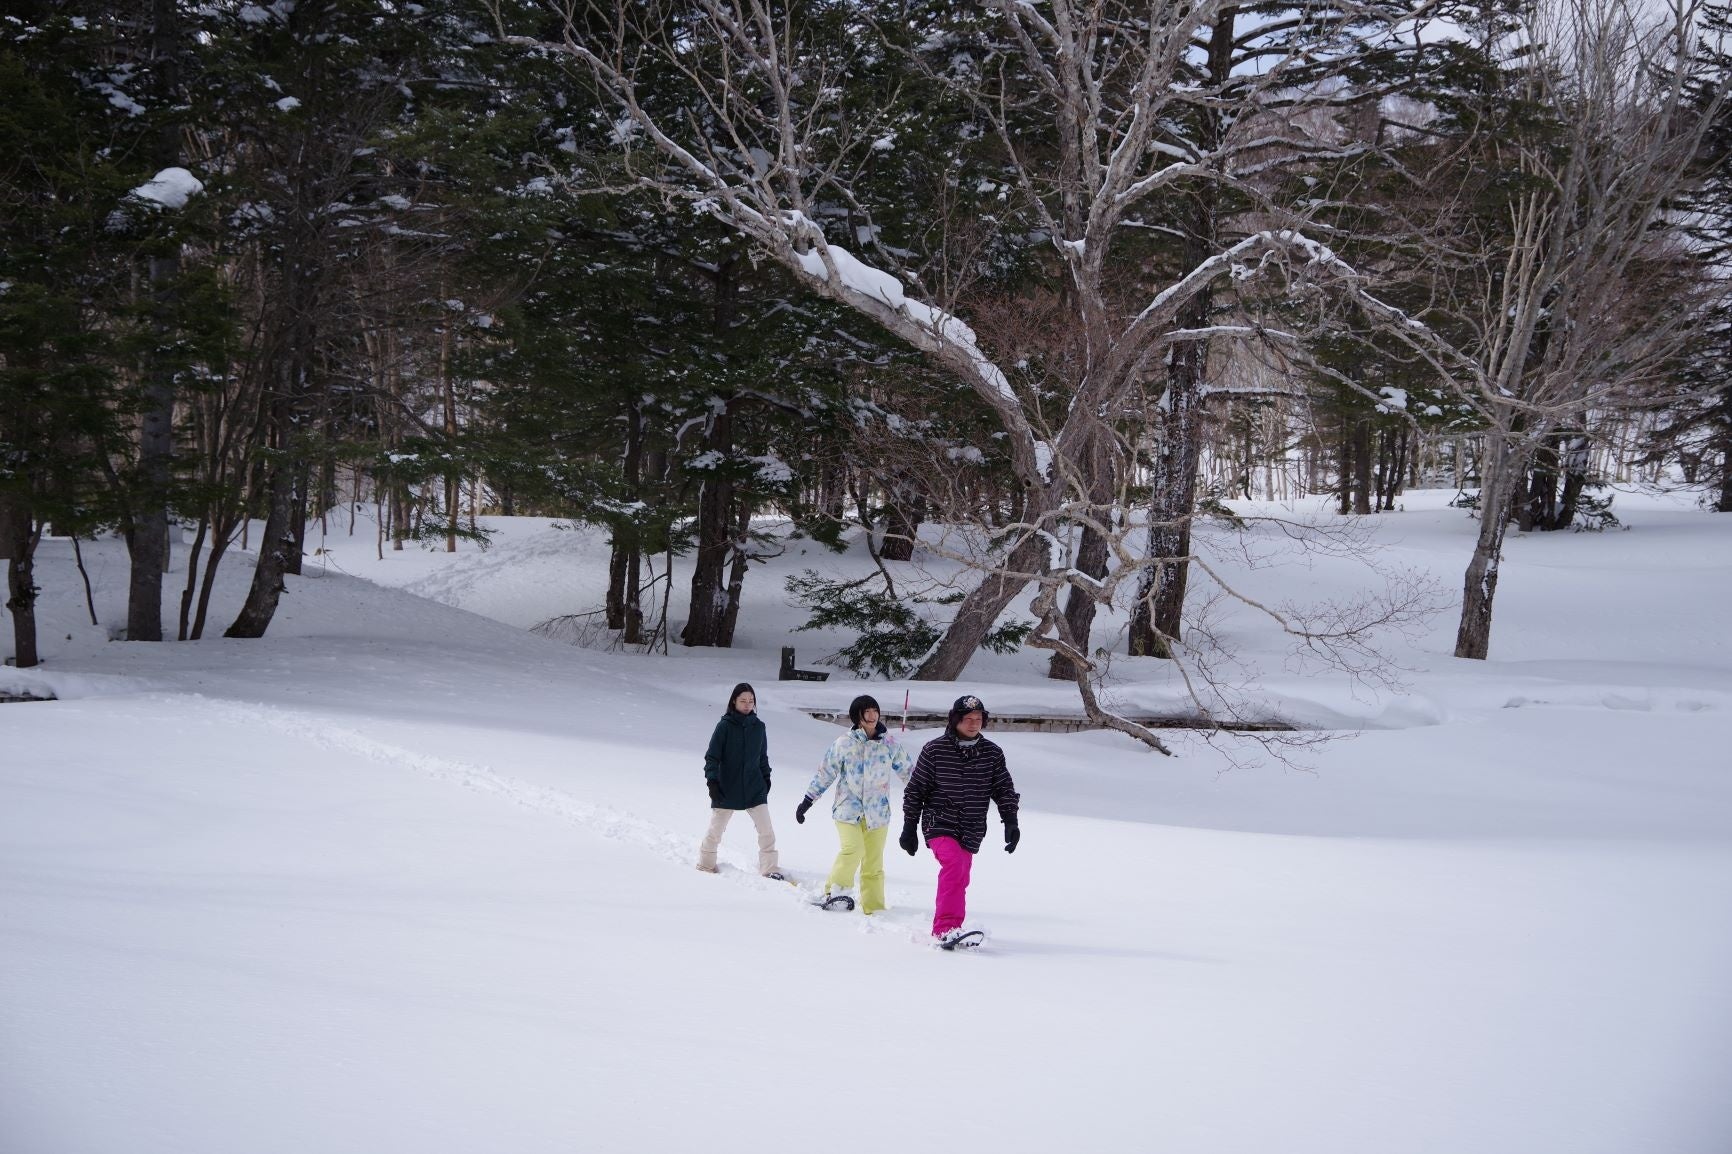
402, 876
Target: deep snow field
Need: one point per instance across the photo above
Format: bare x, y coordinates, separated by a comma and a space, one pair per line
404, 877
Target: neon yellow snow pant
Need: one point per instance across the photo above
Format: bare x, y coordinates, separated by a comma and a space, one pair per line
863, 853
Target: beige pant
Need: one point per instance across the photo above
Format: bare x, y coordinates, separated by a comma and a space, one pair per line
760, 815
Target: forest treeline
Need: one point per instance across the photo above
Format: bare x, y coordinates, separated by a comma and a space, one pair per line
1052, 270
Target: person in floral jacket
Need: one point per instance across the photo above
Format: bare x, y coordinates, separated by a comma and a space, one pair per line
859, 764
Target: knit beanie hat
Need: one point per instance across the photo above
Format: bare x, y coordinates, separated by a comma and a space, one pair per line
860, 705
966, 704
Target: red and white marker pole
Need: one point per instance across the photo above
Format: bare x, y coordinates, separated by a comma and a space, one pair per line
905, 693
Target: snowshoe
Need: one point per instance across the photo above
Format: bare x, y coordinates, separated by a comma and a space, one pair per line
960, 939
843, 902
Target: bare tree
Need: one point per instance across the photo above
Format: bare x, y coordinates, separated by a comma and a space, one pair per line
1344, 636
738, 105
1581, 295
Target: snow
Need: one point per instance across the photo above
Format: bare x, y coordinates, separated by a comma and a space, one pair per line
855, 274
404, 876
877, 284
771, 470
170, 188
288, 104
124, 102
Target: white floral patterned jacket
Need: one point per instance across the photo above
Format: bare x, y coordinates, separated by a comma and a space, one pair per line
860, 768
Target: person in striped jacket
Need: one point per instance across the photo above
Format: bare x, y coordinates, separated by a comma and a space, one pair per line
953, 779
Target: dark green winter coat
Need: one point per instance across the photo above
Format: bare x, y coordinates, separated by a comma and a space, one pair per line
737, 764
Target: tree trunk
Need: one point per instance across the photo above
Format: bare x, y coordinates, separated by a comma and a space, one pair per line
1380, 479
278, 545
632, 633
300, 474
1091, 559
451, 477
617, 564
1724, 505
190, 590
1362, 467
1400, 448
21, 535
631, 597
709, 600
832, 492
147, 533
978, 612
1574, 455
737, 572
1479, 587
275, 544
1158, 618
401, 514
218, 546
147, 540
1345, 481
1540, 509
904, 510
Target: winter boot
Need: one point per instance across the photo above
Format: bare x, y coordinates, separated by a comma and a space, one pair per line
959, 939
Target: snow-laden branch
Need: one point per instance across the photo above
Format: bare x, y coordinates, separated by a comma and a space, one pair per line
773, 215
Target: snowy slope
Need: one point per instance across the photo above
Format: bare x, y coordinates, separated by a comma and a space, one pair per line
401, 876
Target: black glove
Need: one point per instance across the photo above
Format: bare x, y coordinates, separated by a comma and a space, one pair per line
878, 734
1012, 835
715, 792
800, 810
910, 839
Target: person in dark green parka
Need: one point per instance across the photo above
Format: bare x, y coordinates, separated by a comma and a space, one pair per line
737, 772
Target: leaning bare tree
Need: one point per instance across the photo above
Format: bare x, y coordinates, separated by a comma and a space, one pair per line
735, 108
1577, 294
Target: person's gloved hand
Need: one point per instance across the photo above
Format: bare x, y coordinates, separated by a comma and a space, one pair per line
715, 792
910, 839
878, 733
1012, 835
800, 810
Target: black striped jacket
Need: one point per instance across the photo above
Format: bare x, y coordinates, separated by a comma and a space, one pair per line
950, 786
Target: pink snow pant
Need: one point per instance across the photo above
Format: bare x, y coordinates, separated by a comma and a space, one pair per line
954, 864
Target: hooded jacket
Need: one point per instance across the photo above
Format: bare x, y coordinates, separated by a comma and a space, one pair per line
860, 767
950, 786
737, 762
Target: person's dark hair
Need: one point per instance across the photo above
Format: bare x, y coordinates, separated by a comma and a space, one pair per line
742, 687
860, 705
